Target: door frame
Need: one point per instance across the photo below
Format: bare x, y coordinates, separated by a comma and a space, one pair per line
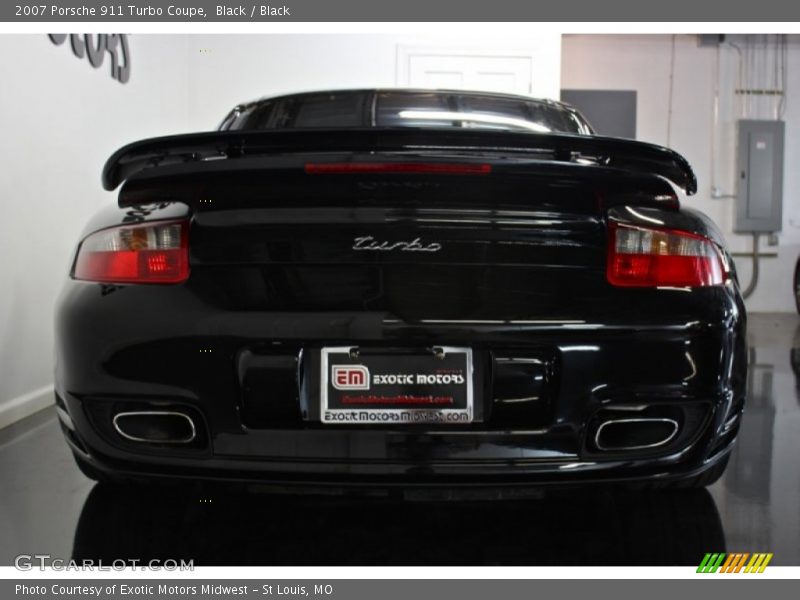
406, 51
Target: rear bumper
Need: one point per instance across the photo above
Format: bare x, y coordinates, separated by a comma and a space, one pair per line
478, 473
199, 358
367, 457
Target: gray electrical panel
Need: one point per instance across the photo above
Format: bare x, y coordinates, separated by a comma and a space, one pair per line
759, 198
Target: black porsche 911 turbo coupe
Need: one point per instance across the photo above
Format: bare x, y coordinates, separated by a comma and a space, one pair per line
401, 288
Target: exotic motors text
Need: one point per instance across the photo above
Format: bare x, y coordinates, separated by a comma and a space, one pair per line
418, 378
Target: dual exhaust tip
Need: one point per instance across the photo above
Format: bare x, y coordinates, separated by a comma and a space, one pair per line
612, 435
639, 433
156, 427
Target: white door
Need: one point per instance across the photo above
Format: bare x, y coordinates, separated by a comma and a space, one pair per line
530, 66
511, 74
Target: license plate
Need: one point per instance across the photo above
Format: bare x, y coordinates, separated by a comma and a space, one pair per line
373, 388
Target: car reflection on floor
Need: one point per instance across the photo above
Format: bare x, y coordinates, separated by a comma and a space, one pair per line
604, 527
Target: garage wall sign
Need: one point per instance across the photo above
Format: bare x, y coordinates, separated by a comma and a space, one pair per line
95, 47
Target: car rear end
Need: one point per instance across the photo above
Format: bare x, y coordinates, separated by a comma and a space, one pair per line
494, 322
399, 308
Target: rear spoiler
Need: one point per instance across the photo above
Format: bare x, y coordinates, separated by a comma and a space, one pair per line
613, 152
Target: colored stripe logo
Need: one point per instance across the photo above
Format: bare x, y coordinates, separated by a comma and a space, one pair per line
734, 562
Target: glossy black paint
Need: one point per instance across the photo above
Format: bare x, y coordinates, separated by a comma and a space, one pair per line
247, 146
520, 279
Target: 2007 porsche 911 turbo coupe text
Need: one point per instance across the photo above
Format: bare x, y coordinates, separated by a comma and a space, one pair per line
401, 288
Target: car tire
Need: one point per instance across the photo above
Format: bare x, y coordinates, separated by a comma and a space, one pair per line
92, 472
704, 479
105, 478
694, 482
797, 285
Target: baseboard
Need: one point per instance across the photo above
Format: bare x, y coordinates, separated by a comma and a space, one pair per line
25, 405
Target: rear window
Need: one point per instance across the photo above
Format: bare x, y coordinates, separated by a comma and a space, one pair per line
395, 110
306, 111
474, 111
423, 109
487, 112
323, 110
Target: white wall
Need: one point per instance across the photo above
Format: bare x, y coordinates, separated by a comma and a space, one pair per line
60, 119
642, 63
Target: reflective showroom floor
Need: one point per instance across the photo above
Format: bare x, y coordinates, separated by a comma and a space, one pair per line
48, 507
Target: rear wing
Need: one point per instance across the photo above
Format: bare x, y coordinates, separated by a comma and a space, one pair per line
230, 145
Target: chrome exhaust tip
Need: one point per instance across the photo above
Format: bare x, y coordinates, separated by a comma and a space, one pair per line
155, 427
635, 434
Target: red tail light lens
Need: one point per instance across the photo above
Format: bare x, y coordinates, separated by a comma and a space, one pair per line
152, 253
645, 257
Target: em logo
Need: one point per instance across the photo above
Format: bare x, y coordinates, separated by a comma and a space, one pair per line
350, 377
